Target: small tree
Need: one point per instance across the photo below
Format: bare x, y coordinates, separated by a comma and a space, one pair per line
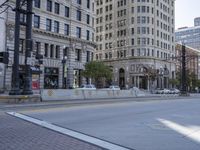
191, 80
98, 72
174, 82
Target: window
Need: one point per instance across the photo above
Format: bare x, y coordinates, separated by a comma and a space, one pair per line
88, 56
46, 49
57, 51
48, 25
88, 19
79, 2
78, 32
51, 51
37, 3
77, 54
56, 26
78, 15
49, 5
88, 35
65, 52
36, 21
66, 30
88, 4
66, 11
57, 8
38, 47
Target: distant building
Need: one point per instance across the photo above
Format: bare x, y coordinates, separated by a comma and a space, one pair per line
192, 59
190, 36
134, 37
63, 32
197, 21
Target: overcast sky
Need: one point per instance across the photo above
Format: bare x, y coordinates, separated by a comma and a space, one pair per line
186, 11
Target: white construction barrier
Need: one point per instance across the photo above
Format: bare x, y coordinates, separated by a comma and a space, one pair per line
65, 94
61, 94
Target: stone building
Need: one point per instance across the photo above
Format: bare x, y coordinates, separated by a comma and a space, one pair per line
63, 32
2, 47
136, 38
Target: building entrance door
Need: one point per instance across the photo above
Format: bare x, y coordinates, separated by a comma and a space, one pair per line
143, 82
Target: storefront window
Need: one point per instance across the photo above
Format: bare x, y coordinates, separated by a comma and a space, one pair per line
51, 78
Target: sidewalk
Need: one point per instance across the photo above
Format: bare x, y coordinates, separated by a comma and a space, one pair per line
16, 134
56, 103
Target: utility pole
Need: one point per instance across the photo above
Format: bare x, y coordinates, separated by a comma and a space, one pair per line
15, 68
28, 75
184, 84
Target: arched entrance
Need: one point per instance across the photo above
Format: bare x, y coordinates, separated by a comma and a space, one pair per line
121, 78
143, 82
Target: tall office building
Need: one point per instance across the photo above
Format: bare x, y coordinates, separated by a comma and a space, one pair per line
190, 36
63, 32
136, 39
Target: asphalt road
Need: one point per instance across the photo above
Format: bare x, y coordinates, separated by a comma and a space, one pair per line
154, 125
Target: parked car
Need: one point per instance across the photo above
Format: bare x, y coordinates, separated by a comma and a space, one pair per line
166, 91
87, 87
159, 91
162, 91
134, 88
174, 91
114, 87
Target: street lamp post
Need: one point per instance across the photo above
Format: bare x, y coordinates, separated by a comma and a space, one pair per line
15, 68
184, 84
64, 71
28, 75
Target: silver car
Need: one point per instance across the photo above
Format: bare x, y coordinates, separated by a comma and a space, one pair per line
87, 87
114, 87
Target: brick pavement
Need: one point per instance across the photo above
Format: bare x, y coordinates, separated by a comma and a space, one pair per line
16, 134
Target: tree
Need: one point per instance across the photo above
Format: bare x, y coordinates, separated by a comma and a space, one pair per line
174, 82
191, 80
98, 72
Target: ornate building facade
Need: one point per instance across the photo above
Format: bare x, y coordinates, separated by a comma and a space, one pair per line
135, 38
63, 33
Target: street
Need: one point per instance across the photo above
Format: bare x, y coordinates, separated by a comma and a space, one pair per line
146, 125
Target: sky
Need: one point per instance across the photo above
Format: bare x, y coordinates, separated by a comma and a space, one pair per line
186, 11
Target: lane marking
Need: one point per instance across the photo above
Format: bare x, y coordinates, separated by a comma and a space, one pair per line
83, 137
192, 132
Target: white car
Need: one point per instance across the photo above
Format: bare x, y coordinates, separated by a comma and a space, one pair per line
87, 87
174, 91
162, 91
114, 87
166, 91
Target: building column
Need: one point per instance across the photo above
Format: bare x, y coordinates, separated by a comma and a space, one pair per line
70, 71
134, 78
138, 81
161, 83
